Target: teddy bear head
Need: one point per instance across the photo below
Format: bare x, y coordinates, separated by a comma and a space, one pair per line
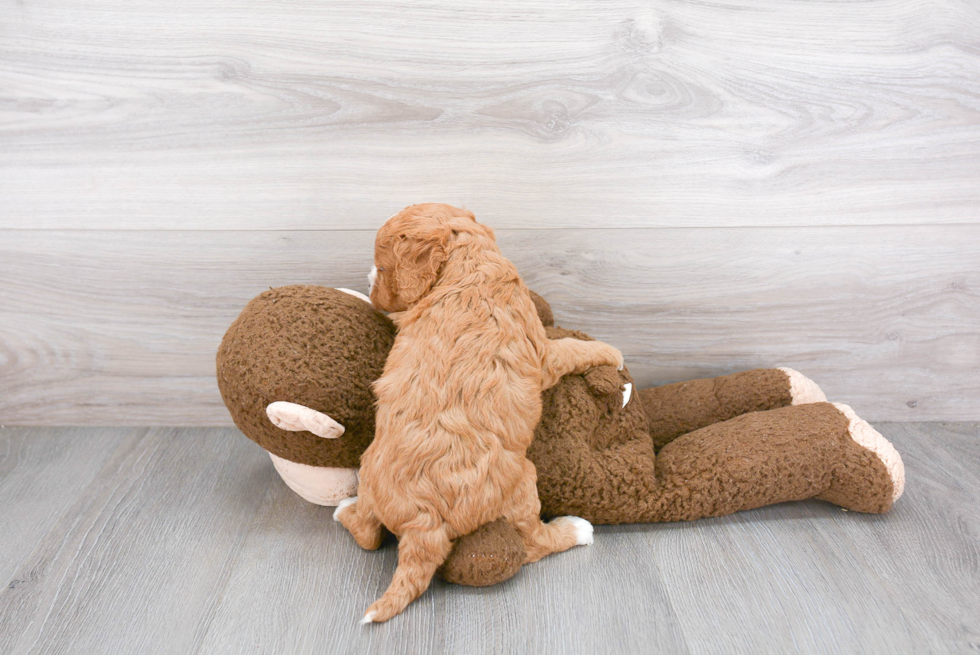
323, 348
313, 346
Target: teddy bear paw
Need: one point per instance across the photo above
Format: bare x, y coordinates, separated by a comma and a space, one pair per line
803, 390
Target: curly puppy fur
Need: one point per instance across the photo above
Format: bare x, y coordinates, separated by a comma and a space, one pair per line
458, 401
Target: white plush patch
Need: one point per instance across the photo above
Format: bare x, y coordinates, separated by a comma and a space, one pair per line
372, 278
802, 389
320, 485
867, 437
369, 617
295, 418
356, 294
583, 529
346, 502
627, 393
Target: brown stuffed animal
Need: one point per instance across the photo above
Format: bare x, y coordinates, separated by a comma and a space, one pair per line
295, 371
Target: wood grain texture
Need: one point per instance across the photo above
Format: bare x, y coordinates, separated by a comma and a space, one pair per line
187, 542
42, 474
121, 328
141, 559
129, 114
938, 532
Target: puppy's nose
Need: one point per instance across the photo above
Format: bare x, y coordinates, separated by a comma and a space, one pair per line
372, 277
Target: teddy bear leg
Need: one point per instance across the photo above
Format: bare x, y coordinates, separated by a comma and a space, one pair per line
870, 475
762, 458
682, 407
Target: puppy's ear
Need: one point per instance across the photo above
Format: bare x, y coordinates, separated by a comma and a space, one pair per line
489, 232
419, 260
466, 222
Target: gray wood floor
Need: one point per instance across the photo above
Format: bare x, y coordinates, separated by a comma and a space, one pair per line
178, 540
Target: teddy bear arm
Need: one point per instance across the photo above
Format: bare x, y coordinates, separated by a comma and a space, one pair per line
676, 409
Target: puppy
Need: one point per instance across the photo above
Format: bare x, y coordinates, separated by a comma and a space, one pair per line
458, 400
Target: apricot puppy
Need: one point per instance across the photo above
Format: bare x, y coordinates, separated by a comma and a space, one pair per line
458, 400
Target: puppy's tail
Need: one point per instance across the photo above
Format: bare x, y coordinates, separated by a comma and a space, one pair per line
420, 553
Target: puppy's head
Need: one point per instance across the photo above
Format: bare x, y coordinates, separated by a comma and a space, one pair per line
410, 249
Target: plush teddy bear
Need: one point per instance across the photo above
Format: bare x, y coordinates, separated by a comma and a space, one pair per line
295, 370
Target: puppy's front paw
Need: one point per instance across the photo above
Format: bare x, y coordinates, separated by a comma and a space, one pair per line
612, 357
342, 505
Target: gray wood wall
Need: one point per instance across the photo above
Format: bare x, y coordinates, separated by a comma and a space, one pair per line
711, 186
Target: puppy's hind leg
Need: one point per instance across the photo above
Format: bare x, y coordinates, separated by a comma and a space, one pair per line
361, 522
571, 355
420, 553
540, 538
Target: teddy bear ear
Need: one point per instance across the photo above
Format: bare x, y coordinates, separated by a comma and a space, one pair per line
296, 418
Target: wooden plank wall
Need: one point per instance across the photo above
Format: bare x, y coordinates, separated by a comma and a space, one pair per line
711, 186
